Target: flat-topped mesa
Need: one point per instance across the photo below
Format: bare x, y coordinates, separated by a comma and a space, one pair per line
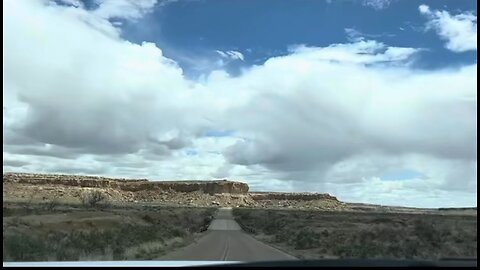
210, 187
39, 178
304, 196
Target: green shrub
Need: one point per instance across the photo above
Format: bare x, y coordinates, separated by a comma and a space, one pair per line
148, 218
21, 247
427, 231
93, 199
306, 239
52, 204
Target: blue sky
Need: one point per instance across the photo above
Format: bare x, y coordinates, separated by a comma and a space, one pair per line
370, 100
400, 175
262, 29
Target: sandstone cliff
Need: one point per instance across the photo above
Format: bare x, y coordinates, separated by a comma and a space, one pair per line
210, 187
70, 188
259, 196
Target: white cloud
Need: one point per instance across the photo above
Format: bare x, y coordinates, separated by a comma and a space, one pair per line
354, 35
374, 4
460, 31
78, 98
125, 9
361, 51
232, 55
424, 9
377, 4
75, 3
88, 90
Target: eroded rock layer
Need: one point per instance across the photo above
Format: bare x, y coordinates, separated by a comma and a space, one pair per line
29, 187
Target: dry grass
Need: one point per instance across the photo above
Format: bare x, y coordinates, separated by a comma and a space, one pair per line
94, 198
66, 233
315, 234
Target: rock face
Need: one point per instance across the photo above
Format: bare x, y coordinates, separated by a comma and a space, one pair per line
210, 187
260, 196
70, 188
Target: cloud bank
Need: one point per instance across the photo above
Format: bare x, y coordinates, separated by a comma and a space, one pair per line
79, 99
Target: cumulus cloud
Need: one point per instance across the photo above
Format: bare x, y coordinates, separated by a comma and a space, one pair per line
460, 30
317, 123
309, 114
79, 99
88, 91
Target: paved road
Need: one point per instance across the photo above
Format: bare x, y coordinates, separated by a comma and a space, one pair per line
225, 241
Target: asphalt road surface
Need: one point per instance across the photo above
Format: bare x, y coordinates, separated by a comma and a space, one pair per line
225, 241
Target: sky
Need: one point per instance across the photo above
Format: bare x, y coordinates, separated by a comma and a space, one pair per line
372, 101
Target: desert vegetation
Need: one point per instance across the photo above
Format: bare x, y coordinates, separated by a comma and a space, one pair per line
321, 234
97, 231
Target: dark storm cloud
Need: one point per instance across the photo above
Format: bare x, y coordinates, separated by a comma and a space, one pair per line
14, 163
